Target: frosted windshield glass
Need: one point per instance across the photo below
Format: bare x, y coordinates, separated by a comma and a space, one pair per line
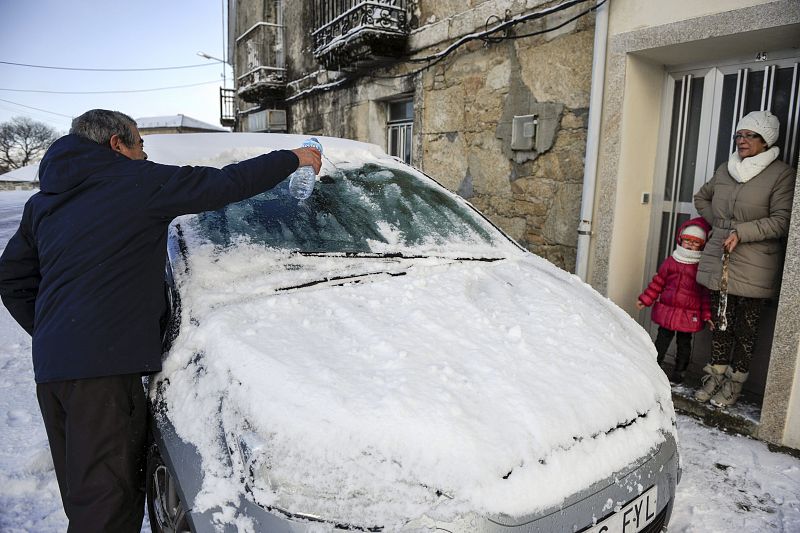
370, 209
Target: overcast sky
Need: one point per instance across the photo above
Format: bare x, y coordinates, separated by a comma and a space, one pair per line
91, 34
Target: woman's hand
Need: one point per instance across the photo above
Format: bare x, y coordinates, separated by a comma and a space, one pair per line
731, 242
710, 324
640, 305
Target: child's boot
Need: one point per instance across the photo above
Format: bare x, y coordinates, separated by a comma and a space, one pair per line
729, 393
711, 382
681, 364
676, 377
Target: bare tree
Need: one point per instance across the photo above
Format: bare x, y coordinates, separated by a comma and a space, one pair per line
24, 141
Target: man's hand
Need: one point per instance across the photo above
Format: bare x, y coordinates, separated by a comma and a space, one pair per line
640, 305
731, 242
710, 324
309, 157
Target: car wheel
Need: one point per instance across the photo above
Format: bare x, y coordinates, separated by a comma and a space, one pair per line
164, 506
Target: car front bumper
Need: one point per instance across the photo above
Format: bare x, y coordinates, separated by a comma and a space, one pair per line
577, 513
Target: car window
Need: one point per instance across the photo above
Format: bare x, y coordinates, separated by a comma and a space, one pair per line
369, 209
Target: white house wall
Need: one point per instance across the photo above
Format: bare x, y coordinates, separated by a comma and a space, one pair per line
632, 15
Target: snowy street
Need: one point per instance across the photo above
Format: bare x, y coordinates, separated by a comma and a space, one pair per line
729, 483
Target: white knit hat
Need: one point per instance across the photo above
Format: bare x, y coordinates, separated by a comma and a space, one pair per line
694, 231
762, 122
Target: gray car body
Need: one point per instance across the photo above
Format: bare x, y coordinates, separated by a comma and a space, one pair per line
581, 510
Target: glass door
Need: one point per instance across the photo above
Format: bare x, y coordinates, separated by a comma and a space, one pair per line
690, 117
746, 88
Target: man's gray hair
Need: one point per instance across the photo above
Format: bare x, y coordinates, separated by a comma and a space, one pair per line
99, 125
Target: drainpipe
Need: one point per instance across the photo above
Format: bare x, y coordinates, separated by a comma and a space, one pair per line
592, 140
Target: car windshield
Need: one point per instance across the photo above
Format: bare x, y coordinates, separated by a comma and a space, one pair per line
370, 209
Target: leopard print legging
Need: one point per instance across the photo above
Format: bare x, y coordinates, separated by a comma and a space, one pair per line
735, 345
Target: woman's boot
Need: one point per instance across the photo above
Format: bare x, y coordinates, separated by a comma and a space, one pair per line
711, 382
731, 389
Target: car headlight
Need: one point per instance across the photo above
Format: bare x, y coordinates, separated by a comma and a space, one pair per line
252, 454
256, 462
278, 487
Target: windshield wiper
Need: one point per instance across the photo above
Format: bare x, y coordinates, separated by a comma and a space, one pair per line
393, 255
343, 280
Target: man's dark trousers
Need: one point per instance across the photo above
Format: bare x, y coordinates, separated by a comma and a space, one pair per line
97, 430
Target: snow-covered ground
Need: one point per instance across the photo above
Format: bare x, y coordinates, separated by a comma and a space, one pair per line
730, 483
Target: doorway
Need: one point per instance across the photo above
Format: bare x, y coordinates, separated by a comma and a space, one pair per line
701, 107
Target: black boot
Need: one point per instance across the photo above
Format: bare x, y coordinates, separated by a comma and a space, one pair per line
662, 342
676, 378
684, 345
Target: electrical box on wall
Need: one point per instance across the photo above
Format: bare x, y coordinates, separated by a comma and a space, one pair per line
523, 132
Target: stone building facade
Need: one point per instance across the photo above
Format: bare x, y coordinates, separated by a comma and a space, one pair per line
460, 129
610, 84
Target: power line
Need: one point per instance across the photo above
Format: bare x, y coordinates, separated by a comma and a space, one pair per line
110, 92
108, 69
433, 59
559, 26
36, 108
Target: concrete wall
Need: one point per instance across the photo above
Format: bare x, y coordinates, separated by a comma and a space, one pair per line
632, 15
638, 138
780, 420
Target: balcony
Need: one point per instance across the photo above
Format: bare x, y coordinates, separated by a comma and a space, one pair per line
260, 52
227, 107
350, 33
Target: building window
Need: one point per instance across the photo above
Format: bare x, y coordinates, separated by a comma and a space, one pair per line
400, 128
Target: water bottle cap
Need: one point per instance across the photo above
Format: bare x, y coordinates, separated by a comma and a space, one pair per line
313, 142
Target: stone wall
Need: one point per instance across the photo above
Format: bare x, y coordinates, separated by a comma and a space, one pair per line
467, 108
464, 107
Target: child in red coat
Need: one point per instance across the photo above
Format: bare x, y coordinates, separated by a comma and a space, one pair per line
682, 306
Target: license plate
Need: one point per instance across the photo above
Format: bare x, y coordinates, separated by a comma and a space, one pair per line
632, 518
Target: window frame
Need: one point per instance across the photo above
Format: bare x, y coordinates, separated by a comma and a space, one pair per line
400, 131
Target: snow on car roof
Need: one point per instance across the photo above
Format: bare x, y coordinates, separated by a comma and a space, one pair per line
219, 149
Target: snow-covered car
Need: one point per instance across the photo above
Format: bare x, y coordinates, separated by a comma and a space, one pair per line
380, 357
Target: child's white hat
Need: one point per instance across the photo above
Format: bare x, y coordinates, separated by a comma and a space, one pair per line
694, 231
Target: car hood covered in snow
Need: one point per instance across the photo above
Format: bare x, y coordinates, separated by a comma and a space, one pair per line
402, 387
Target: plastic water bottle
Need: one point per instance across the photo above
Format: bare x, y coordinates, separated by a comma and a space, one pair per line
301, 182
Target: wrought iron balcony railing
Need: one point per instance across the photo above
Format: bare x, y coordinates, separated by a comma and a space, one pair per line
227, 107
260, 53
347, 32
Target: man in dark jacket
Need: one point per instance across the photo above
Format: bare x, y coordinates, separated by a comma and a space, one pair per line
84, 275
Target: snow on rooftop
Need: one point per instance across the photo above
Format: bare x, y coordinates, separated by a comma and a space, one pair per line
28, 173
176, 121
